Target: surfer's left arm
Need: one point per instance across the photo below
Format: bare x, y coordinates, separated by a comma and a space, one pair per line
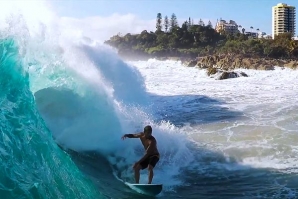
136, 135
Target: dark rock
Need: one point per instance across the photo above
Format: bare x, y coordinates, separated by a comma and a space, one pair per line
231, 74
243, 74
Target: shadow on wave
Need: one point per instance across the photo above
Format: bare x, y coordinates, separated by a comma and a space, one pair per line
214, 177
96, 167
192, 109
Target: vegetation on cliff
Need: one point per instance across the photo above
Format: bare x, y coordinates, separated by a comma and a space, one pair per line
196, 40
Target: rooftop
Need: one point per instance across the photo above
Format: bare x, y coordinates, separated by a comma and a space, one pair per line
283, 5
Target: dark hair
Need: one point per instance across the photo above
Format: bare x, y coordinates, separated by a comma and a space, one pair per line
148, 128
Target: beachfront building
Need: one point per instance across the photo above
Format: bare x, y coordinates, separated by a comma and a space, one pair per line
267, 37
252, 34
223, 26
261, 34
283, 19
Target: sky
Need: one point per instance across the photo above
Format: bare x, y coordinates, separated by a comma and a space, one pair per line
109, 17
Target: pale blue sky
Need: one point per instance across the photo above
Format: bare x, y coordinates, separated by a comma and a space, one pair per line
256, 13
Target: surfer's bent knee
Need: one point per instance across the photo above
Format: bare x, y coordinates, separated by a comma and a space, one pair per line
137, 168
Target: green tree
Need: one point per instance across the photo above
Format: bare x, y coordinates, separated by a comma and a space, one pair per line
173, 22
185, 26
209, 24
283, 37
162, 40
251, 28
158, 22
166, 23
189, 24
201, 23
193, 40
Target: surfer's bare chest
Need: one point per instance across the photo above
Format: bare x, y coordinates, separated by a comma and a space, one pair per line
145, 142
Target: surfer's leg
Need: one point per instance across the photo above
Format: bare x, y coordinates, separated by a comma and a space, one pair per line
152, 162
150, 173
137, 173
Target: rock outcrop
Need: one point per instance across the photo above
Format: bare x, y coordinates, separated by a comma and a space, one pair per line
219, 74
221, 66
230, 74
230, 62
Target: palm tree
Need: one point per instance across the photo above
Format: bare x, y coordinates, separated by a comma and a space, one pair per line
258, 32
251, 31
243, 30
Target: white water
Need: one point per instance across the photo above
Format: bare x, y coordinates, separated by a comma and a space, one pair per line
262, 133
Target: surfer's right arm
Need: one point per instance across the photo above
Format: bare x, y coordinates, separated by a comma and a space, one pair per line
136, 135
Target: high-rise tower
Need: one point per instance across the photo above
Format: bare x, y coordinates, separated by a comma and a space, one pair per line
283, 19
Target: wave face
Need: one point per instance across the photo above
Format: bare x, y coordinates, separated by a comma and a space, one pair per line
60, 89
31, 162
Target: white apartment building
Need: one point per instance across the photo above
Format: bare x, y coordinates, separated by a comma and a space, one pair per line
230, 27
283, 19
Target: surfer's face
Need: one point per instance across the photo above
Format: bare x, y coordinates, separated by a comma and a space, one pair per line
147, 134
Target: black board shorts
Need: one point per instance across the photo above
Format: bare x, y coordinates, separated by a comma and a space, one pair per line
152, 160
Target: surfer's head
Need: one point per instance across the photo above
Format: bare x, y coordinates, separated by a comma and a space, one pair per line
147, 131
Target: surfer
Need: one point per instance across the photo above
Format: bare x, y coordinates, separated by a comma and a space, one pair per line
151, 156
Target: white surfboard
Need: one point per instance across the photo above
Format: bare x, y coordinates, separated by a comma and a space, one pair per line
149, 189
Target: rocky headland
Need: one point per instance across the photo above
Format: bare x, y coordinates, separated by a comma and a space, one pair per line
230, 62
197, 45
223, 66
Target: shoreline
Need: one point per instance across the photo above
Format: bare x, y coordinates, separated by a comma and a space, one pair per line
223, 62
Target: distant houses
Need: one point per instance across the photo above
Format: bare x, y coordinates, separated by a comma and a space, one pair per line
222, 26
283, 21
231, 27
252, 34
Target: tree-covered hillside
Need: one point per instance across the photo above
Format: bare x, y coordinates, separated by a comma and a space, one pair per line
193, 40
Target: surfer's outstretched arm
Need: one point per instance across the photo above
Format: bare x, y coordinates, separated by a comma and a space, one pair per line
136, 135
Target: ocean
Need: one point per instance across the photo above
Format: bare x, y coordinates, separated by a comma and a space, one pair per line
66, 100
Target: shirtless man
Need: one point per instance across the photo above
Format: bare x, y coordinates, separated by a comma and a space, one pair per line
151, 156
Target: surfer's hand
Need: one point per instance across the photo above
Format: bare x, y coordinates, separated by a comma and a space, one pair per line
123, 137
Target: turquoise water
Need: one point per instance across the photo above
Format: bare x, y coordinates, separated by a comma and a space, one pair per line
32, 165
